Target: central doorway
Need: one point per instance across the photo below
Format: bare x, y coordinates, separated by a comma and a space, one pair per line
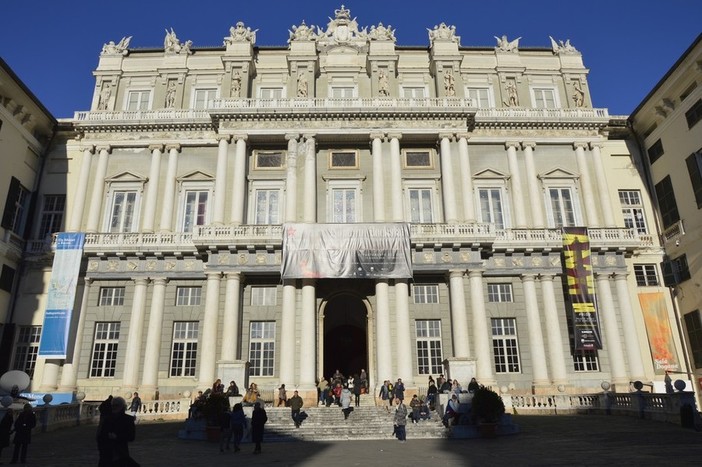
345, 335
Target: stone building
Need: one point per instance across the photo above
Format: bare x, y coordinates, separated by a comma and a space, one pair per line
194, 165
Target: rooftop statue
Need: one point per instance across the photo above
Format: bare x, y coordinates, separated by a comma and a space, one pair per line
240, 33
302, 33
381, 33
172, 45
504, 45
342, 28
119, 48
442, 32
562, 48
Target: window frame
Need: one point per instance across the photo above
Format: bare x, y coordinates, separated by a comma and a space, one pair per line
693, 115
490, 97
575, 199
265, 88
51, 219
208, 90
354, 186
140, 91
184, 349
259, 153
268, 186
667, 202
331, 165
693, 327
646, 275
188, 295
262, 349
504, 200
27, 349
407, 151
187, 187
267, 297
502, 292
116, 187
586, 361
694, 169
429, 294
534, 89
633, 213
111, 296
103, 361
335, 86
507, 360
430, 186
655, 151
428, 346
423, 87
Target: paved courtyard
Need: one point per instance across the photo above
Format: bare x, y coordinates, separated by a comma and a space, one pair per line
543, 441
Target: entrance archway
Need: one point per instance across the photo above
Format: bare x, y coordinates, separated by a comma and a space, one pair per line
345, 335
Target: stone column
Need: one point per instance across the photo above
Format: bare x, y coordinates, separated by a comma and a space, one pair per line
467, 179
149, 217
209, 330
602, 188
396, 178
287, 333
481, 330
310, 197
49, 379
516, 183
169, 188
308, 336
536, 198
631, 337
448, 190
459, 322
378, 177
613, 343
154, 337
536, 338
69, 373
98, 191
132, 356
404, 337
593, 220
553, 332
239, 180
291, 179
232, 311
382, 322
78, 205
220, 192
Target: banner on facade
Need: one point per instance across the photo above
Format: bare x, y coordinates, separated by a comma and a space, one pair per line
62, 294
340, 251
660, 335
581, 288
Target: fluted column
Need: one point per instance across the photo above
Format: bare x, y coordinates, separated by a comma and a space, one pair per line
613, 343
396, 178
232, 312
239, 180
593, 219
602, 188
481, 329
536, 198
382, 322
132, 356
404, 337
310, 180
467, 179
448, 190
631, 337
308, 336
291, 179
516, 182
78, 204
536, 338
149, 217
553, 331
69, 373
154, 336
209, 330
459, 322
98, 190
220, 192
378, 177
287, 332
169, 188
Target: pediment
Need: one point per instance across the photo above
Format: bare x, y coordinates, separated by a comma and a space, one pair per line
490, 174
195, 176
126, 177
559, 172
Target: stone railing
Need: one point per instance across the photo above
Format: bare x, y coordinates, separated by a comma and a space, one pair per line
170, 242
248, 234
141, 115
674, 232
504, 113
349, 104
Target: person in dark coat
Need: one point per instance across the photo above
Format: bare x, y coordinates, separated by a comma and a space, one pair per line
6, 429
258, 419
24, 424
118, 430
103, 442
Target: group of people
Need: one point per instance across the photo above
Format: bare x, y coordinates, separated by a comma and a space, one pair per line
22, 428
389, 392
332, 391
234, 422
115, 432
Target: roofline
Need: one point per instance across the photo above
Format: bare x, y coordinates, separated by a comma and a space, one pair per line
666, 76
27, 91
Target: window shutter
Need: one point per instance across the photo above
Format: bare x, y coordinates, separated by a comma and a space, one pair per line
11, 203
693, 167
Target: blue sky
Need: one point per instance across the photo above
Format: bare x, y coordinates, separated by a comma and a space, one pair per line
628, 45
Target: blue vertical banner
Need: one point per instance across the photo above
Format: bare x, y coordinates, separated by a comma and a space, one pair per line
62, 295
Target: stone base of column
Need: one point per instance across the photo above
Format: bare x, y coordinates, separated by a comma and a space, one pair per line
148, 392
462, 369
233, 370
542, 387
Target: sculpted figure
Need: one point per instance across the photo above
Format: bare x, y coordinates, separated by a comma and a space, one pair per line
302, 33
236, 85
578, 94
381, 33
512, 98
105, 94
118, 48
301, 85
449, 84
241, 33
170, 95
170, 42
559, 47
443, 32
383, 85
505, 45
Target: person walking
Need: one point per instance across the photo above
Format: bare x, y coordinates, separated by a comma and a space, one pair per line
238, 425
135, 406
296, 404
24, 424
385, 395
282, 396
399, 390
6, 429
357, 394
401, 422
119, 429
346, 402
258, 419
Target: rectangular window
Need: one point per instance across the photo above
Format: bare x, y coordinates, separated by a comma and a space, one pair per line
104, 357
111, 296
420, 204
429, 359
7, 278
27, 348
203, 97
188, 296
123, 212
562, 207
417, 159
694, 168
585, 360
343, 92
632, 210
343, 160
694, 114
138, 100
544, 98
263, 296
267, 207
655, 151
184, 351
344, 205
500, 293
269, 160
195, 209
51, 215
16, 206
262, 348
271, 93
414, 92
480, 97
491, 208
425, 294
646, 275
666, 202
504, 345
688, 91
693, 324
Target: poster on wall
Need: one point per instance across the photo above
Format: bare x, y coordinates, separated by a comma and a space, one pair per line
660, 335
577, 266
348, 251
62, 295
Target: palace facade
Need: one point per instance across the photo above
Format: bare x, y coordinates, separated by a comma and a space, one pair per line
192, 162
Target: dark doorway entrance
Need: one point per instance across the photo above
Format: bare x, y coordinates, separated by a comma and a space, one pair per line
345, 335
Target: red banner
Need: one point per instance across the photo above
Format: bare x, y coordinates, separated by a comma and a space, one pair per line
660, 335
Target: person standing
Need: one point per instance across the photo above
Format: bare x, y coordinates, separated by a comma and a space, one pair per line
473, 385
296, 404
357, 394
401, 422
258, 419
225, 428
118, 428
135, 406
282, 396
400, 390
385, 395
6, 429
346, 402
415, 404
238, 424
322, 389
432, 391
24, 424
103, 442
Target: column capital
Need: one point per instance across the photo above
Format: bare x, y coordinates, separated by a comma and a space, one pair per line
620, 276
220, 138
596, 144
213, 274
447, 135
512, 144
309, 136
155, 147
377, 135
140, 280
602, 275
89, 148
465, 136
160, 280
87, 281
173, 147
475, 273
456, 273
240, 137
292, 136
397, 136
528, 144
106, 148
577, 146
548, 276
527, 277
233, 275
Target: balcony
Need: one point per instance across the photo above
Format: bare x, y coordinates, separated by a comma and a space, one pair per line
120, 244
